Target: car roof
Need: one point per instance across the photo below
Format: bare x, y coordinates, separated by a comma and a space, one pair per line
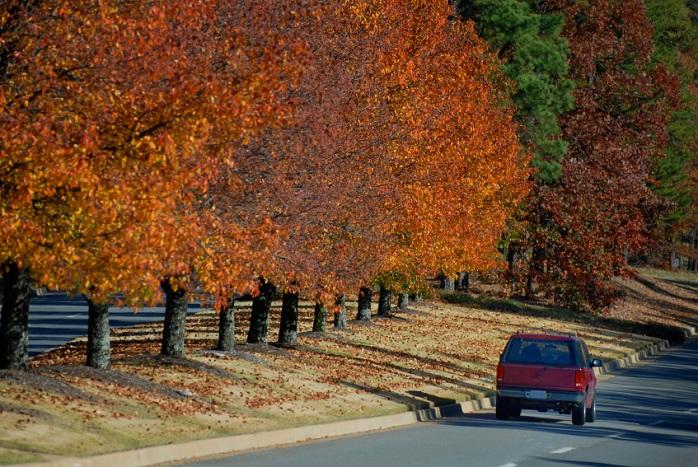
549, 337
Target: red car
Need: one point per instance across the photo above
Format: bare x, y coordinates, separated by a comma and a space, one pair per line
547, 372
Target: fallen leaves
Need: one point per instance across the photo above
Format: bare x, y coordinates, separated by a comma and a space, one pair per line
441, 352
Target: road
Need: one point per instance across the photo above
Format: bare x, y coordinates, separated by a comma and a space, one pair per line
55, 318
647, 416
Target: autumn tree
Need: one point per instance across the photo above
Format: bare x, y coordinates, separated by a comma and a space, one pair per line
381, 156
135, 106
460, 167
527, 39
320, 180
603, 205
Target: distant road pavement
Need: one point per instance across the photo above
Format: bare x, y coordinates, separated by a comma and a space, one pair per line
55, 318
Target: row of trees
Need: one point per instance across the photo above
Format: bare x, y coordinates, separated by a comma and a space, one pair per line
676, 45
317, 148
625, 148
224, 147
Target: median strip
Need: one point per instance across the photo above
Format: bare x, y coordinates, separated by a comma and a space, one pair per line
328, 378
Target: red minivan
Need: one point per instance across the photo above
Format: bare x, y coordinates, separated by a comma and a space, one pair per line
547, 372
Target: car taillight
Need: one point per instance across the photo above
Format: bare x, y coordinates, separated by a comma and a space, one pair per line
579, 379
500, 372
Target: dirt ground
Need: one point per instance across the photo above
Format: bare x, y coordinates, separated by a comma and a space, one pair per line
433, 353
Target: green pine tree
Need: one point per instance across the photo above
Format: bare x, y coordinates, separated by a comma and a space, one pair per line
676, 45
535, 57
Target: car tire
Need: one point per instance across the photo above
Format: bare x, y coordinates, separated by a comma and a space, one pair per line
579, 413
591, 411
514, 409
501, 408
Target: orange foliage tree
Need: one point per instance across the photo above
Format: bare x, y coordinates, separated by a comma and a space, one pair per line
321, 180
458, 165
402, 155
153, 145
115, 116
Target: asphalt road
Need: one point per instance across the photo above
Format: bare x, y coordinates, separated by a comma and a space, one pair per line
55, 318
647, 416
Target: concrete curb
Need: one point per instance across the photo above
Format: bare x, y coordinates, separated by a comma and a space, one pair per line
614, 365
643, 354
247, 442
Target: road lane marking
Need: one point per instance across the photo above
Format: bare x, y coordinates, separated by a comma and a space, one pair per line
655, 423
562, 450
615, 436
508, 465
73, 316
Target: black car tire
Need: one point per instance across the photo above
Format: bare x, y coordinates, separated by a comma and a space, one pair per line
502, 408
514, 409
591, 411
579, 413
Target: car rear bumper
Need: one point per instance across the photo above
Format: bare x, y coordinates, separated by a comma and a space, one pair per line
550, 396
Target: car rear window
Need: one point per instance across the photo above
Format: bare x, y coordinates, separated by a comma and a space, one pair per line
540, 351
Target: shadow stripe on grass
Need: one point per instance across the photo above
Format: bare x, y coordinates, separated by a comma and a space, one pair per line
674, 334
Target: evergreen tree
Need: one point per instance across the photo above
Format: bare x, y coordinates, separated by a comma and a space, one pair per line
676, 45
535, 57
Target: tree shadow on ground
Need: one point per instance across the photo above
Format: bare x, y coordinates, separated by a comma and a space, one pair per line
181, 362
407, 355
664, 306
36, 379
416, 400
112, 377
686, 285
26, 411
674, 334
416, 373
534, 424
662, 291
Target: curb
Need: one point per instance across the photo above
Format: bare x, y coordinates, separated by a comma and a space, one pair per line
643, 354
290, 436
614, 365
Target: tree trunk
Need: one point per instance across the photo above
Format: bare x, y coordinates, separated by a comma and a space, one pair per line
694, 244
14, 323
511, 258
403, 300
416, 298
384, 302
259, 320
529, 280
674, 262
447, 282
320, 318
288, 329
340, 316
175, 320
226, 326
364, 312
98, 348
463, 281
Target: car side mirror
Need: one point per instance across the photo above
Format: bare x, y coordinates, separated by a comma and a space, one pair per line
596, 362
